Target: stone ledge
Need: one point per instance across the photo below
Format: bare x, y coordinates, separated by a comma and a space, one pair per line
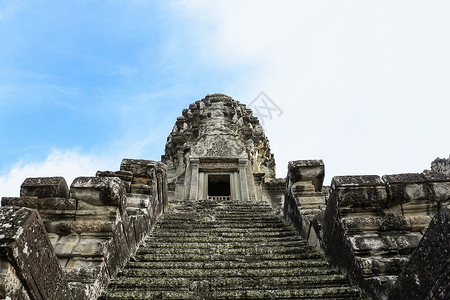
359, 191
43, 187
99, 190
357, 180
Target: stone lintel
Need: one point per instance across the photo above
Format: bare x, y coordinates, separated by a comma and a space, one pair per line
43, 187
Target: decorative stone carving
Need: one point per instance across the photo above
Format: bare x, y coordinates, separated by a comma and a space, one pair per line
243, 179
194, 180
225, 166
45, 187
218, 128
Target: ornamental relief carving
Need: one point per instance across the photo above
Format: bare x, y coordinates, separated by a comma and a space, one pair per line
219, 146
218, 165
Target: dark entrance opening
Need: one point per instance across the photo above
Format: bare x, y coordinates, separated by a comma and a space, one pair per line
219, 185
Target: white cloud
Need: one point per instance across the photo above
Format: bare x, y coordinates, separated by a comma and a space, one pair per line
68, 164
363, 85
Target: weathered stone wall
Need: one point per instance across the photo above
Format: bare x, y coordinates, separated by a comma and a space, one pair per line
371, 226
29, 266
427, 273
304, 201
272, 191
94, 227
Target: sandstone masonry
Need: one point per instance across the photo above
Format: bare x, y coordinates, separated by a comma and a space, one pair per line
221, 236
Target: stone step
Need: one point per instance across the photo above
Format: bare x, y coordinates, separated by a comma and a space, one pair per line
223, 264
224, 230
227, 245
232, 219
223, 251
233, 234
228, 250
226, 240
168, 255
221, 283
328, 293
219, 224
208, 273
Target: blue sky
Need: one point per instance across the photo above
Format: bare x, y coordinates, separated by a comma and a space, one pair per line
364, 86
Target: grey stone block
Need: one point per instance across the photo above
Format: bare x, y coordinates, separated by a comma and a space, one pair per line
43, 187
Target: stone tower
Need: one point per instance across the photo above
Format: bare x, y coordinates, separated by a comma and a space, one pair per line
217, 150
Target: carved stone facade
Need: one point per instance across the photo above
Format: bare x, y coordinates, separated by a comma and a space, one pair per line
218, 136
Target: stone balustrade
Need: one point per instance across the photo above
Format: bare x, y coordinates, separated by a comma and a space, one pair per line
91, 229
29, 266
427, 273
373, 224
305, 198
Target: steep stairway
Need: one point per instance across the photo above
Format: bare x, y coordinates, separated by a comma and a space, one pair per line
226, 250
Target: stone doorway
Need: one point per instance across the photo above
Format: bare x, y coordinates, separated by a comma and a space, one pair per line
219, 187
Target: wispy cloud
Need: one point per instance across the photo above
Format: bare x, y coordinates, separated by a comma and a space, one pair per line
363, 85
68, 164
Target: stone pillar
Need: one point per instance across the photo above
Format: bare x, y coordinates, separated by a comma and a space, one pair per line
237, 186
243, 179
194, 179
202, 186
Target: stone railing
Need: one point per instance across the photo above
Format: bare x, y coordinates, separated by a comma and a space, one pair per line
91, 230
427, 273
372, 225
305, 198
219, 198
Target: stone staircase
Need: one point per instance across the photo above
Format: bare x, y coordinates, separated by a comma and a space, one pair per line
226, 250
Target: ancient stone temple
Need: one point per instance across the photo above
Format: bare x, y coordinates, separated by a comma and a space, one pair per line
218, 150
211, 221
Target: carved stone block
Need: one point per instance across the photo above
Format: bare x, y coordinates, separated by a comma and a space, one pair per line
405, 188
139, 167
426, 275
307, 170
360, 191
439, 185
99, 191
26, 245
43, 187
